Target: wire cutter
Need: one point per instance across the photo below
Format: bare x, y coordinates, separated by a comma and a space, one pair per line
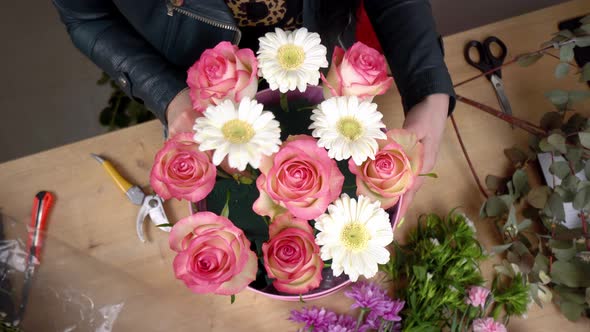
151, 205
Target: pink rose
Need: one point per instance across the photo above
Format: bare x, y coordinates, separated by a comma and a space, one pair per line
360, 71
223, 72
392, 173
213, 255
182, 171
476, 296
487, 325
291, 255
300, 178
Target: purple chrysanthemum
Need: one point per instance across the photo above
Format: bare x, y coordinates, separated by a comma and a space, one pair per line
319, 318
393, 309
368, 295
344, 323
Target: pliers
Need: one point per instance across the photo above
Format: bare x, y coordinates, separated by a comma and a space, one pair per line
151, 205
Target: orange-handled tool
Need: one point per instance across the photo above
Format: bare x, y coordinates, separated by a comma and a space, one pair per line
41, 205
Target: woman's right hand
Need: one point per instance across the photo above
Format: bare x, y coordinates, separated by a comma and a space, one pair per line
180, 114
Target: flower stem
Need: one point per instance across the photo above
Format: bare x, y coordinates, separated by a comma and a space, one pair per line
360, 318
473, 172
522, 124
284, 102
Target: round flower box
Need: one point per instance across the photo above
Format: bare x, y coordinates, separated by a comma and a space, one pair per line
294, 120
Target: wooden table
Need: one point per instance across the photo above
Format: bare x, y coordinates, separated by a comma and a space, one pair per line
93, 250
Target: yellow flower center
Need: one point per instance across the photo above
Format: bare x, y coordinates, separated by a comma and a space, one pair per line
237, 131
355, 236
350, 128
291, 56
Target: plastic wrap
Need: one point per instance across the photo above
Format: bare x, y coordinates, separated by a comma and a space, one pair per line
70, 291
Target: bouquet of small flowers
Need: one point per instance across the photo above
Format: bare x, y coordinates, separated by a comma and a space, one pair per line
285, 190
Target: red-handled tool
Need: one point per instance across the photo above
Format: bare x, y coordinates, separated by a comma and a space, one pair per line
41, 205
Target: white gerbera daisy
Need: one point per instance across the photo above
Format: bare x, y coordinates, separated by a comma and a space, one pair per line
354, 235
348, 127
243, 132
291, 59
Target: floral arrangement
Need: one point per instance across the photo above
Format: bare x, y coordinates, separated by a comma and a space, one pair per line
284, 191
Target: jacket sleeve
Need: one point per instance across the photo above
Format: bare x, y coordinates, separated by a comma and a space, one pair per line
413, 48
100, 32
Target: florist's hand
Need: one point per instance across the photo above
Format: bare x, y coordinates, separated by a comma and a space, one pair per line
427, 121
180, 114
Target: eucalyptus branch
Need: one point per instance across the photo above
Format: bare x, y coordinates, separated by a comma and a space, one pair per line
520, 123
473, 172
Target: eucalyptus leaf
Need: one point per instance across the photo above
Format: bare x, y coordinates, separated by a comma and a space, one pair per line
558, 141
575, 123
570, 274
538, 196
571, 310
555, 205
544, 146
510, 225
516, 155
521, 182
585, 28
563, 250
551, 120
561, 169
582, 199
565, 33
585, 19
570, 182
558, 97
493, 182
524, 225
587, 169
584, 139
562, 70
495, 207
529, 59
583, 41
566, 53
574, 154
501, 248
588, 295
578, 96
570, 294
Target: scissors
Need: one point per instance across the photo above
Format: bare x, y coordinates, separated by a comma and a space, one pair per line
487, 62
151, 205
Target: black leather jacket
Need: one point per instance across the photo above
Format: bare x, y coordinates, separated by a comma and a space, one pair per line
148, 45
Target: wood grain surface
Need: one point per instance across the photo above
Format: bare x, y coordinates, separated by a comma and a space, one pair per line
94, 252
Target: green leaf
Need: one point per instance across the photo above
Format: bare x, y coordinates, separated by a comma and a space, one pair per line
495, 207
571, 274
587, 170
584, 139
524, 225
545, 146
558, 141
232, 299
562, 70
284, 102
551, 120
521, 182
516, 156
578, 96
583, 41
588, 296
225, 211
565, 33
570, 294
430, 175
571, 310
558, 97
165, 225
555, 204
563, 250
501, 248
529, 59
574, 154
538, 196
510, 225
494, 183
582, 199
585, 19
566, 53
561, 169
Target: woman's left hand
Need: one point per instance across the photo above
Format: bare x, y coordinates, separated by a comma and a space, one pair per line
427, 121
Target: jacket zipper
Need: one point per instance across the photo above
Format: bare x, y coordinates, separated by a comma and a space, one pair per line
172, 8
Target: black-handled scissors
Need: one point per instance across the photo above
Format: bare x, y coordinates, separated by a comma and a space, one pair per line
487, 62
